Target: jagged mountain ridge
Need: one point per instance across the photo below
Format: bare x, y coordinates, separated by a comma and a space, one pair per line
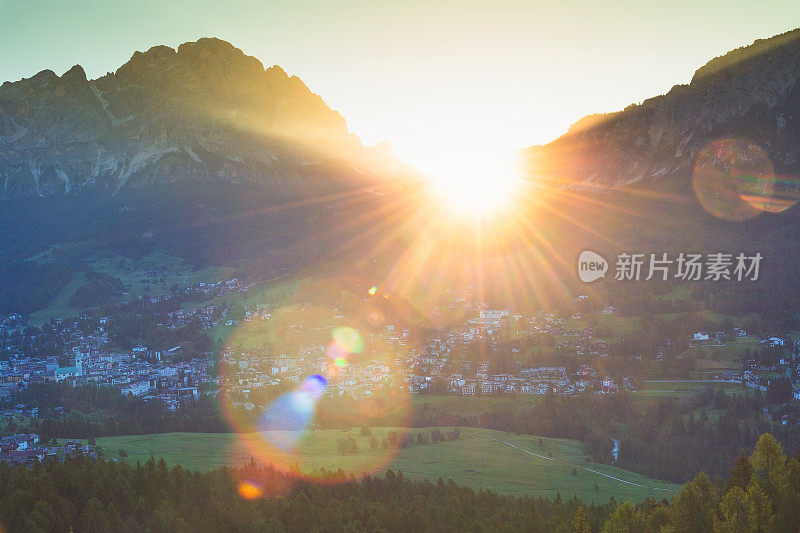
204, 111
751, 93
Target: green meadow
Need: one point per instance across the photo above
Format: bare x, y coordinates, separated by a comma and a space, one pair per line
480, 458
152, 274
679, 389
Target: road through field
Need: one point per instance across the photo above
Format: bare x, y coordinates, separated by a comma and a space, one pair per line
586, 468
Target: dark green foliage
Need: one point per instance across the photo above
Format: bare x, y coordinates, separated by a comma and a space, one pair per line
742, 472
101, 411
137, 326
203, 224
99, 289
348, 446
85, 495
666, 439
97, 496
26, 286
779, 391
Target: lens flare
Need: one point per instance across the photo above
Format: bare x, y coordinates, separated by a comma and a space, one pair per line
373, 290
250, 490
298, 386
348, 339
734, 180
286, 419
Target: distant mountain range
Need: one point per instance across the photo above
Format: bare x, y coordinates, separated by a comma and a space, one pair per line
208, 112
751, 92
204, 112
202, 154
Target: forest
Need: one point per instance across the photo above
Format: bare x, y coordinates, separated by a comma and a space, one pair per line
761, 493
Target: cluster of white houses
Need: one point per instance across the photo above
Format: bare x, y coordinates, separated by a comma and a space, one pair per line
539, 380
140, 372
26, 448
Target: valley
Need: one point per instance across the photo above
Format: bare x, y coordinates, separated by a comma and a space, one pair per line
219, 308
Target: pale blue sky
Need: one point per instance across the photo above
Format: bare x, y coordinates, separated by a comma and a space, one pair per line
440, 80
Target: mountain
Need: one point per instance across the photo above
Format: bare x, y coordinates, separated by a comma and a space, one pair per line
750, 93
709, 167
205, 112
203, 155
183, 159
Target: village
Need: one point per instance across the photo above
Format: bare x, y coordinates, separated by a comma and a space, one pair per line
86, 359
392, 357
28, 448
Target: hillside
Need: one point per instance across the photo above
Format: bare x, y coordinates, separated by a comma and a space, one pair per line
197, 155
749, 93
202, 112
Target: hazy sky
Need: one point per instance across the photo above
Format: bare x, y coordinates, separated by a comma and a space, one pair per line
441, 80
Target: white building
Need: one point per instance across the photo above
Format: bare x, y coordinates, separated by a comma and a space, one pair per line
69, 372
493, 315
136, 389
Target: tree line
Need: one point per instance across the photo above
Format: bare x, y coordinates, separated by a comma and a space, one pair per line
762, 493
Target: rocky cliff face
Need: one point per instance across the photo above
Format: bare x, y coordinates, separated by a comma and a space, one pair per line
749, 93
205, 111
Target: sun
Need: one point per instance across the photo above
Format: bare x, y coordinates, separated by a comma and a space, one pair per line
477, 186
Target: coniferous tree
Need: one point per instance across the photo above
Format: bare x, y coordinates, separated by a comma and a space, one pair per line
742, 472
580, 524
694, 505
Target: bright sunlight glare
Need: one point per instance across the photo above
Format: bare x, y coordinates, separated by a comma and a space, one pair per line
476, 184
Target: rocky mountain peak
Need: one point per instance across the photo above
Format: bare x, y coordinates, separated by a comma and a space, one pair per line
205, 111
757, 51
75, 75
211, 48
751, 92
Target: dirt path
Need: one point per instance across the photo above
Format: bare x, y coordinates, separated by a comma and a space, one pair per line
585, 468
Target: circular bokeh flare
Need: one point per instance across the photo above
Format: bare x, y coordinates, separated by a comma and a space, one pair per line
734, 180
304, 387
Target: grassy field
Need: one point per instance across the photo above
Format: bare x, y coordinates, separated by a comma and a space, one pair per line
679, 389
60, 306
618, 325
156, 273
731, 350
713, 360
152, 274
471, 405
481, 459
475, 405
